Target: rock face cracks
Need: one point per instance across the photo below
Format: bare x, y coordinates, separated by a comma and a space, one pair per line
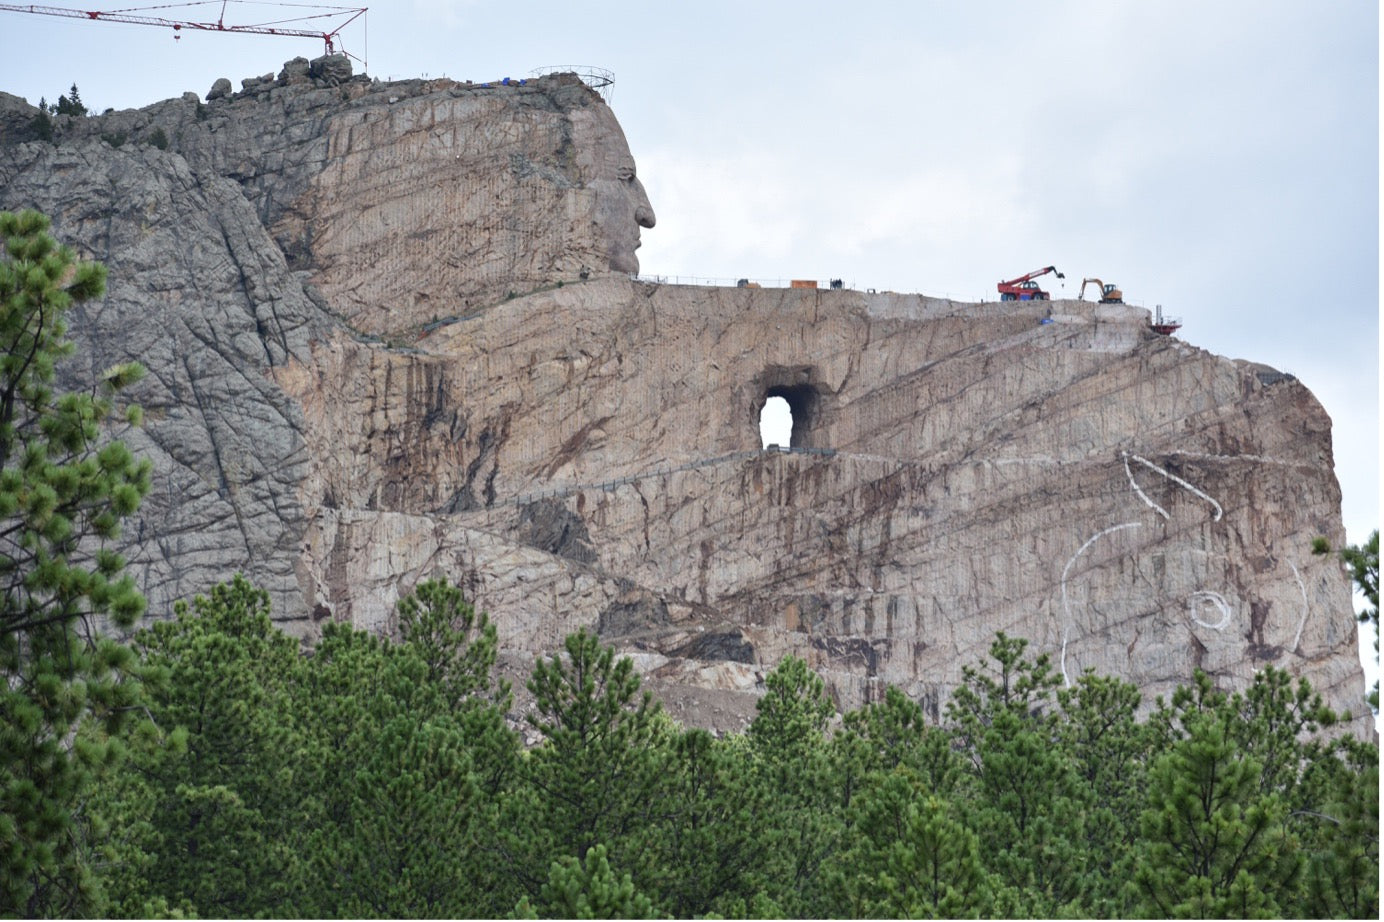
391, 334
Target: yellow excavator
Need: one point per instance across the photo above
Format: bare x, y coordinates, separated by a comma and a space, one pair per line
1109, 294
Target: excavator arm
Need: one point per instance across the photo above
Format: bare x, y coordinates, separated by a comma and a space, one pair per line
1109, 294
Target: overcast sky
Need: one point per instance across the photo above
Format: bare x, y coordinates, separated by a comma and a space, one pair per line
1220, 159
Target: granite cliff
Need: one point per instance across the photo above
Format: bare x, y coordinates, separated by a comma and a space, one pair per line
393, 331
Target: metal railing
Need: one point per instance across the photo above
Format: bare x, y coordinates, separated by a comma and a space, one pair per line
598, 78
823, 285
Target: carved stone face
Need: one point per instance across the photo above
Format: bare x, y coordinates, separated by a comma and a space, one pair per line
621, 205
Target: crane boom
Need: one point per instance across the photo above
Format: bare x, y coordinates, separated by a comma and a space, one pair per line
131, 16
1034, 274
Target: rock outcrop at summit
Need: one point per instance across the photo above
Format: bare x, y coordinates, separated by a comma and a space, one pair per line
392, 333
229, 253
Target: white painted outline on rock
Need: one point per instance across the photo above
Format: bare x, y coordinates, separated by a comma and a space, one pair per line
1171, 476
1066, 607
1216, 599
1302, 623
1142, 495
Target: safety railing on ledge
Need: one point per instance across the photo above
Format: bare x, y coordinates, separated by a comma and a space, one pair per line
738, 283
598, 78
818, 284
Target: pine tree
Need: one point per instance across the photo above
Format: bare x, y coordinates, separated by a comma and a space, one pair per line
1363, 562
792, 765
42, 123
908, 855
389, 798
1110, 749
66, 694
1214, 845
1028, 807
792, 716
595, 777
458, 646
1340, 834
217, 801
71, 105
457, 643
588, 889
702, 847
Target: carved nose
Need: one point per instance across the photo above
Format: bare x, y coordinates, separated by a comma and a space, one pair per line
644, 216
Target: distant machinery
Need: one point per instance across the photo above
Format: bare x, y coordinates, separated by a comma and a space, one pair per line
131, 16
1109, 293
1165, 325
1024, 288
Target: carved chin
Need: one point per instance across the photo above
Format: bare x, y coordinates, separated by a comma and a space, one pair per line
624, 260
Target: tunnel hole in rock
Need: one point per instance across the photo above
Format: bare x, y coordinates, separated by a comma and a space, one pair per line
800, 401
775, 422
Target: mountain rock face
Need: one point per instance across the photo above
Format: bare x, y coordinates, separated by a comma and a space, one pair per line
392, 333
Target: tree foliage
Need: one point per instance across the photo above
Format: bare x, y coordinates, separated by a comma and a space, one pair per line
71, 104
67, 693
354, 781
1362, 562
215, 801
1213, 845
589, 889
387, 774
455, 642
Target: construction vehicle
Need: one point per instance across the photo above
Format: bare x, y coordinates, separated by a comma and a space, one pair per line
1109, 293
1024, 288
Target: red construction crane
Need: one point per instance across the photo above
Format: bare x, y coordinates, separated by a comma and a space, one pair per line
1024, 288
134, 16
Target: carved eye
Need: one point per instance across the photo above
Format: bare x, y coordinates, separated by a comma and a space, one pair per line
625, 173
